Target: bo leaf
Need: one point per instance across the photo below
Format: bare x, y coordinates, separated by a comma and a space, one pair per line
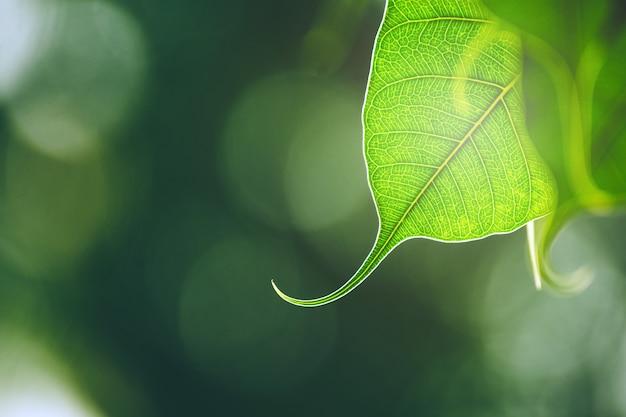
446, 146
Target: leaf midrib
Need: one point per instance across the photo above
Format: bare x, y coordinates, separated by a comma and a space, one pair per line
445, 163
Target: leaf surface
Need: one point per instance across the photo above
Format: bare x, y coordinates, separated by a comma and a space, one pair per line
445, 141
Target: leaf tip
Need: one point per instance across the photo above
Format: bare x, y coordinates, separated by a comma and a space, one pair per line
278, 291
287, 298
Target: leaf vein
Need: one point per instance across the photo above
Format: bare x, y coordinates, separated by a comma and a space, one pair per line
449, 158
437, 19
519, 142
491, 193
413, 132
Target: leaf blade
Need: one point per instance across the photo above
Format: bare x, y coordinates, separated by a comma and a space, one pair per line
444, 76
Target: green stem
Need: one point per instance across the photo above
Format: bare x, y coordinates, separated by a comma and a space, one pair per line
541, 234
574, 97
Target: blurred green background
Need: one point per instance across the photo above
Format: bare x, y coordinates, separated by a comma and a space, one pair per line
161, 162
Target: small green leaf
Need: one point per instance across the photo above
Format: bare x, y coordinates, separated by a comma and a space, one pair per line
446, 146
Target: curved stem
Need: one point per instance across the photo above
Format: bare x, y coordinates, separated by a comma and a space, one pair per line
574, 97
540, 238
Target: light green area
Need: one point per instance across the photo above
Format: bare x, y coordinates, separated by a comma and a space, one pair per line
608, 154
567, 25
446, 145
581, 134
581, 48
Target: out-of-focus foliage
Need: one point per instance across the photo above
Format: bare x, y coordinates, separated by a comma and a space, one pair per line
609, 125
590, 38
150, 157
575, 77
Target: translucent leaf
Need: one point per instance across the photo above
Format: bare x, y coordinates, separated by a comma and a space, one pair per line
446, 146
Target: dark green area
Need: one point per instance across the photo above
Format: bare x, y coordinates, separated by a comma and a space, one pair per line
143, 265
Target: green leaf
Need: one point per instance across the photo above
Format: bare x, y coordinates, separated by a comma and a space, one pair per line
446, 146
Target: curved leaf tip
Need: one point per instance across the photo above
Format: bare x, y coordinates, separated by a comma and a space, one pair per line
287, 298
307, 303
